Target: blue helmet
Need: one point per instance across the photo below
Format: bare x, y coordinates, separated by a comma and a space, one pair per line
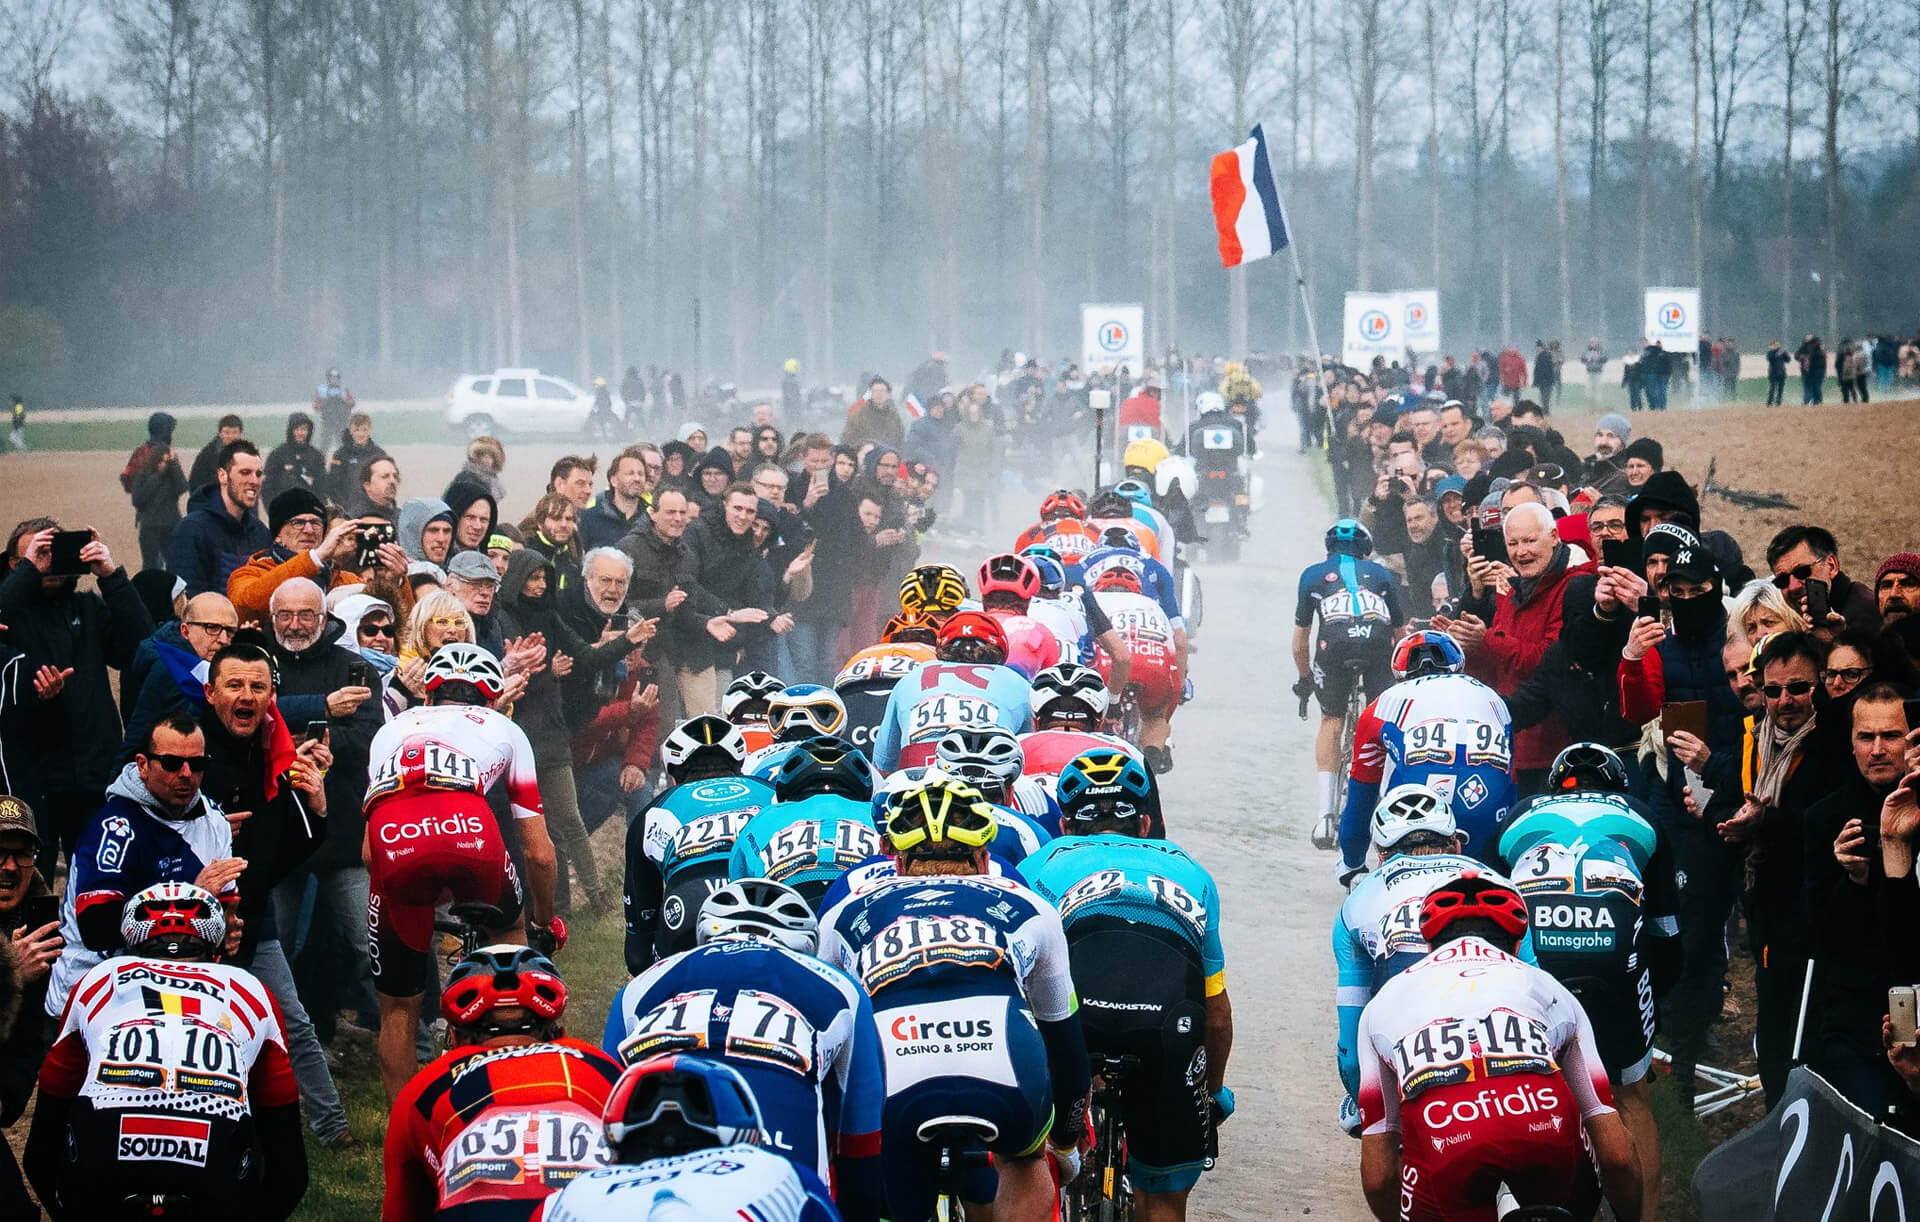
1135, 491
1348, 538
1053, 575
1105, 783
676, 1103
824, 764
1427, 652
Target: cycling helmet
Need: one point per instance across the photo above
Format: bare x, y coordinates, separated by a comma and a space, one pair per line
704, 741
805, 710
1472, 896
988, 759
461, 662
1135, 490
1110, 504
758, 908
1145, 455
1102, 784
973, 636
941, 812
1587, 766
747, 696
824, 764
1427, 652
1407, 809
1348, 538
1117, 577
1069, 692
1009, 574
1121, 537
911, 628
935, 588
504, 977
1062, 503
173, 920
1033, 551
1209, 401
679, 1102
1053, 575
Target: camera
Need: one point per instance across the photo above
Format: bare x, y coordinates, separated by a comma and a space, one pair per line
371, 537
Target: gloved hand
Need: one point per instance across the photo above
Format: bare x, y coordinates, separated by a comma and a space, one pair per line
1186, 691
1066, 1162
1349, 1117
1304, 687
1222, 1105
550, 938
1349, 876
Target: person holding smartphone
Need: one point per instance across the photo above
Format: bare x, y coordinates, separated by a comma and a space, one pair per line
30, 924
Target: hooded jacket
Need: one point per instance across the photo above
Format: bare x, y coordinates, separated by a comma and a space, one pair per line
473, 472
539, 710
210, 542
415, 516
294, 464
461, 495
155, 489
716, 459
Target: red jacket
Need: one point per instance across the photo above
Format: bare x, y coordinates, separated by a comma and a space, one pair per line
1513, 369
1506, 656
621, 728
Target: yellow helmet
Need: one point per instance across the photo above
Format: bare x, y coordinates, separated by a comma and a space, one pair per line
1146, 454
792, 365
932, 589
939, 809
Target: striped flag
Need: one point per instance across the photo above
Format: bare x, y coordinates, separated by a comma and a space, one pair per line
915, 408
1246, 205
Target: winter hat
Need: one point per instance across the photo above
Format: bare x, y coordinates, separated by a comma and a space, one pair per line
1647, 448
1615, 423
1899, 562
160, 428
1670, 539
290, 505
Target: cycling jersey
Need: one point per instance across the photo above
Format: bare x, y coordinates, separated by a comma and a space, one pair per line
805, 844
1066, 619
1156, 580
743, 1182
1143, 530
1356, 604
939, 697
452, 749
677, 854
866, 681
1450, 733
1069, 538
486, 1134
1132, 881
1028, 797
1047, 752
1487, 1068
1149, 634
800, 1031
1599, 884
879, 869
1031, 644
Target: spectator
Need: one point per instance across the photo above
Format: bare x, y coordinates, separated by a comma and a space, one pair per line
437, 618
767, 444
1813, 368
229, 430
1777, 359
169, 670
222, 527
379, 495
572, 477
1429, 545
1655, 369
1456, 425
473, 580
806, 486
1761, 609
331, 402
612, 515
32, 948
154, 480
875, 418
81, 634
930, 438
347, 471
1803, 553
1594, 360
302, 546
662, 583
1513, 373
486, 459
294, 463
1546, 374
372, 631
740, 447
1605, 469
712, 475
474, 512
677, 459
729, 569
694, 437
552, 528
613, 710
1896, 593
426, 530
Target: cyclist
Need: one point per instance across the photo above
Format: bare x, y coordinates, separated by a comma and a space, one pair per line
169, 1075
678, 847
869, 676
992, 761
1377, 932
973, 994
819, 825
799, 1032
1008, 585
799, 712
1156, 648
1075, 618
1121, 544
1140, 493
685, 1134
1062, 527
511, 1112
1141, 461
1069, 704
1598, 878
933, 590
430, 833
1345, 617
746, 704
1441, 728
1143, 932
968, 686
1477, 1069
1111, 510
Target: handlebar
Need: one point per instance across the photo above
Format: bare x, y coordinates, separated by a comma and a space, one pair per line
1304, 701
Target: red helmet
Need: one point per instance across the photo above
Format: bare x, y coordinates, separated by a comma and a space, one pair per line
503, 977
1117, 577
1062, 503
975, 626
1472, 896
1009, 574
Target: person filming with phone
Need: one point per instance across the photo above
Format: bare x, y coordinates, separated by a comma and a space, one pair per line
1805, 561
30, 925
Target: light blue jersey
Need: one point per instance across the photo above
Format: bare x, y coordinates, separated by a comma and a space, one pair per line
937, 698
805, 844
1144, 882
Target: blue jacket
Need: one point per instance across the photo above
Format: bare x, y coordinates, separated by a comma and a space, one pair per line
164, 669
210, 543
1692, 670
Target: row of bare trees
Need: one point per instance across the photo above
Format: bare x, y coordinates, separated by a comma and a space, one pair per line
225, 195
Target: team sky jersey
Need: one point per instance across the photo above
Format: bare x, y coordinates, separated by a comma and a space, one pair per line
1376, 935
1447, 732
454, 749
1144, 882
739, 1182
800, 1031
1156, 582
1476, 1024
866, 681
677, 854
1356, 601
939, 697
805, 844
482, 1126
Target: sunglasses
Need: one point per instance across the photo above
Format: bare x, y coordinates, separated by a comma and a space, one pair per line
1798, 687
174, 763
385, 630
1799, 573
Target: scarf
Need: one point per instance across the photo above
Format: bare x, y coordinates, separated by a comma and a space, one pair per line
1778, 751
1524, 587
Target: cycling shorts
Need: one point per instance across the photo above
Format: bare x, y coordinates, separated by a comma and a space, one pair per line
1156, 675
977, 1057
111, 1152
1621, 1011
1337, 663
426, 845
680, 905
1460, 1143
1142, 995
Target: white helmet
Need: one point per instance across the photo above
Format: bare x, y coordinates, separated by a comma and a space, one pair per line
991, 757
1208, 401
1407, 809
174, 920
1070, 681
758, 908
754, 687
805, 710
463, 662
703, 734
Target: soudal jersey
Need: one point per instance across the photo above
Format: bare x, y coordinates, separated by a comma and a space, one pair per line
1469, 1015
743, 1182
937, 698
1356, 602
947, 936
1068, 537
866, 681
1450, 733
1156, 582
805, 844
1595, 874
1136, 882
483, 1126
800, 1031
457, 748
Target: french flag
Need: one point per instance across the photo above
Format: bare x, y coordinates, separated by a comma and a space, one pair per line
915, 408
1246, 206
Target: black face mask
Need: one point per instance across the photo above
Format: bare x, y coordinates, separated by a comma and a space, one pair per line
1694, 618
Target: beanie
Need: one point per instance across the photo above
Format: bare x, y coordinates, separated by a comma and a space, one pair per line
1649, 449
1899, 562
291, 504
1615, 423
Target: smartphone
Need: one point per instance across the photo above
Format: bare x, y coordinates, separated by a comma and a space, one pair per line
1684, 716
620, 622
1619, 554
1818, 601
42, 910
315, 731
1490, 543
360, 674
1901, 1010
1648, 607
819, 479
67, 545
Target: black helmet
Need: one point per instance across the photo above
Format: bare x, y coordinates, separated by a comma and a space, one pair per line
1348, 537
1587, 766
824, 764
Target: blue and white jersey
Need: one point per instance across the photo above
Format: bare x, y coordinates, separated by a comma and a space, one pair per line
1141, 882
800, 1032
805, 844
732, 1182
694, 824
1156, 580
1030, 797
1065, 619
1450, 733
939, 697
876, 870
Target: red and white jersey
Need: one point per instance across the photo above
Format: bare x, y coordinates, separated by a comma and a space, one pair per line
453, 748
1470, 1021
200, 1039
1136, 617
1045, 752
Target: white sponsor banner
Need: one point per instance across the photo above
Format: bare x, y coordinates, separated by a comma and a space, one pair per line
1374, 326
1113, 335
1673, 318
1420, 319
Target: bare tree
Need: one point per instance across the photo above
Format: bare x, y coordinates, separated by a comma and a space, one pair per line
1796, 19
1560, 166
1363, 45
34, 37
1603, 44
1436, 24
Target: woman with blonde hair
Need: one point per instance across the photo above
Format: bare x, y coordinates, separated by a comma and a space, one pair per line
437, 618
1762, 608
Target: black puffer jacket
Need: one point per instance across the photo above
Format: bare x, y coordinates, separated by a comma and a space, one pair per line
314, 673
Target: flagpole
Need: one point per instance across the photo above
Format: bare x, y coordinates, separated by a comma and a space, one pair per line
1306, 303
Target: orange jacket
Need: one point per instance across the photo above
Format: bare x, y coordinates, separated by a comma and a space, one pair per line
253, 583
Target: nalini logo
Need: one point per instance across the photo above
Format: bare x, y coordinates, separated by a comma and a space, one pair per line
1374, 325
1112, 336
1673, 316
447, 825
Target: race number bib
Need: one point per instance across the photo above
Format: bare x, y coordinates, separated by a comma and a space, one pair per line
1437, 740
1450, 1051
769, 1029
678, 1024
936, 717
708, 834
420, 765
1400, 929
1346, 604
889, 668
1141, 625
798, 847
538, 1151
172, 1052
912, 944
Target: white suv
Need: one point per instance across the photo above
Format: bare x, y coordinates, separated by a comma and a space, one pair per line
519, 401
